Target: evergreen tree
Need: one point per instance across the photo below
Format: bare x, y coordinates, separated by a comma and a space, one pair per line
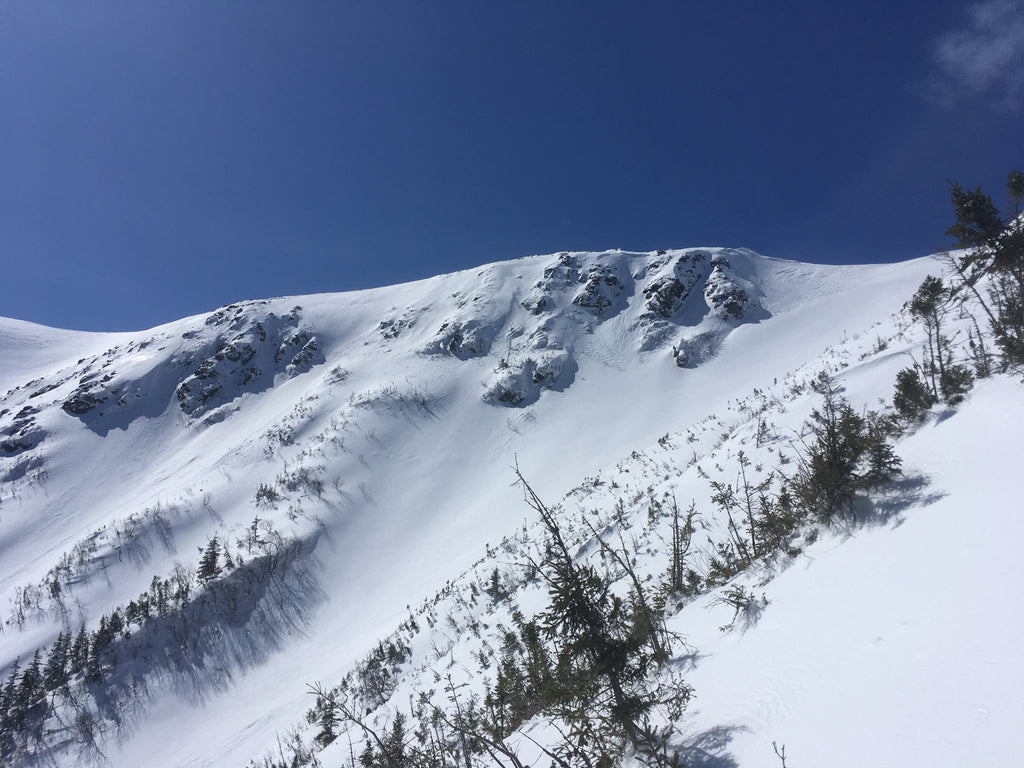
928, 305
979, 225
995, 248
30, 689
508, 702
391, 748
826, 482
11, 717
55, 674
602, 657
883, 464
494, 588
24, 714
159, 596
742, 502
209, 566
79, 654
8, 694
324, 714
949, 381
848, 453
912, 397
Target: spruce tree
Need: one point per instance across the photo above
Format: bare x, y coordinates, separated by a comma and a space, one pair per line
949, 380
883, 464
826, 482
995, 248
28, 694
602, 657
912, 397
979, 224
55, 674
79, 650
209, 567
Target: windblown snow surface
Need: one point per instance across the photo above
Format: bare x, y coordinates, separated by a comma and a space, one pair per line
383, 427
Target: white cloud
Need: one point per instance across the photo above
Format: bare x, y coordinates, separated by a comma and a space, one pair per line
985, 58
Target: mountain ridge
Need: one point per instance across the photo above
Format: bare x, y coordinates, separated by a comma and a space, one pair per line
386, 423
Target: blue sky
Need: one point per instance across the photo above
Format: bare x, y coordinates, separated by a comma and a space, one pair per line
161, 159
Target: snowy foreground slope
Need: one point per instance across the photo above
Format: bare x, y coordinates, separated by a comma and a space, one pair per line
352, 454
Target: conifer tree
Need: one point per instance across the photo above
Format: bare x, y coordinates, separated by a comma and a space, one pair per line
209, 566
826, 482
602, 657
80, 650
28, 695
848, 453
8, 690
10, 715
995, 248
912, 397
949, 381
979, 224
883, 463
55, 675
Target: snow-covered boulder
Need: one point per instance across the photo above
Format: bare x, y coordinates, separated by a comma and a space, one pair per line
465, 338
520, 382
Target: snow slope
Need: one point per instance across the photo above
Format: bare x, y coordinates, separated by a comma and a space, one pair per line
386, 423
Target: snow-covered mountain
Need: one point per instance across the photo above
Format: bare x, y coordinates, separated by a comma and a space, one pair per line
266, 495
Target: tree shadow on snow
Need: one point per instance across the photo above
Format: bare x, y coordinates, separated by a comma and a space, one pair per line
709, 749
888, 505
234, 624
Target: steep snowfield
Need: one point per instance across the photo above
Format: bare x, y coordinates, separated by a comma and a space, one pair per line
387, 423
896, 644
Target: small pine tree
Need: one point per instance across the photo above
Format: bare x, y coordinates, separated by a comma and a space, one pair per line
79, 650
949, 381
883, 464
494, 589
55, 675
978, 221
324, 714
849, 453
826, 482
12, 717
743, 501
996, 248
956, 382
912, 397
209, 565
30, 689
602, 655
682, 535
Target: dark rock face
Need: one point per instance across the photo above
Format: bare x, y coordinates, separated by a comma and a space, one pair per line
561, 275
246, 361
665, 295
724, 297
464, 339
23, 434
601, 291
392, 329
82, 401
239, 348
